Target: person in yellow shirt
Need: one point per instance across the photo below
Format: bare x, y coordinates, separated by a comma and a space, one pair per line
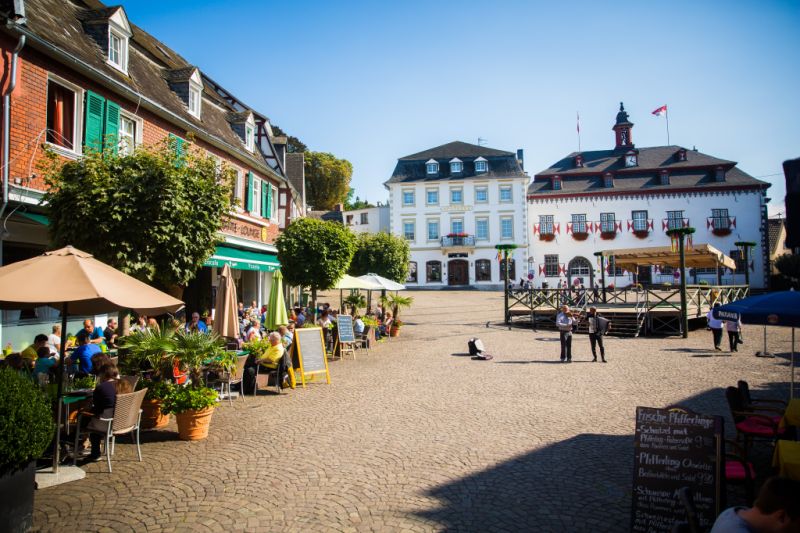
274, 353
30, 353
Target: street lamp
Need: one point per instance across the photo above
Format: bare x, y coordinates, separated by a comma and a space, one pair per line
680, 235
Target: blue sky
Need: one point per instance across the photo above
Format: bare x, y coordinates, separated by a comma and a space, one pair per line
374, 81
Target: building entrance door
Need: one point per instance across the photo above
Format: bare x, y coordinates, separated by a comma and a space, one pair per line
580, 271
644, 275
458, 272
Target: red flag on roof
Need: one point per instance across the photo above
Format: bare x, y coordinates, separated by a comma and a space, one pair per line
660, 111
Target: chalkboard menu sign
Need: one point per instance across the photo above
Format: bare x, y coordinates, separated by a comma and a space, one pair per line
308, 354
675, 448
344, 325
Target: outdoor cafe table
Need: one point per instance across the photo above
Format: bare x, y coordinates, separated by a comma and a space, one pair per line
786, 458
71, 397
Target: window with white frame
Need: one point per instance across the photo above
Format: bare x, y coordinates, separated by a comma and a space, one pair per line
256, 207
249, 137
579, 223
274, 212
432, 197
483, 270
365, 218
433, 230
481, 194
431, 167
482, 229
546, 224
481, 165
506, 227
118, 50
64, 112
456, 166
551, 266
409, 230
505, 194
719, 219
130, 133
238, 186
674, 219
639, 220
195, 96
408, 197
457, 225
608, 223
456, 196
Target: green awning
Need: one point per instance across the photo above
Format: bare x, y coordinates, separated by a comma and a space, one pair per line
243, 260
36, 217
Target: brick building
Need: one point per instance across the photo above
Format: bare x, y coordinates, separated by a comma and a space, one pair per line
84, 74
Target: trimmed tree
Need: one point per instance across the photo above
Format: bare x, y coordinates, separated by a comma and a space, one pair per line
789, 266
383, 254
315, 254
327, 179
154, 214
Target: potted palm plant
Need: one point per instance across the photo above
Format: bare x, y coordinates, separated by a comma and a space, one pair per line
151, 350
355, 300
397, 302
26, 429
193, 405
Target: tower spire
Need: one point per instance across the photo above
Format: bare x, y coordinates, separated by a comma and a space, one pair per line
622, 129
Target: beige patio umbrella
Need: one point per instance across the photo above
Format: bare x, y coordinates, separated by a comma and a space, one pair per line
74, 282
226, 319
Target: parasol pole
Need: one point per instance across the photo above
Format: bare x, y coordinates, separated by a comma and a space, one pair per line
791, 361
62, 349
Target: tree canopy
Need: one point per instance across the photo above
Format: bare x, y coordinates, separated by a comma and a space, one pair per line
789, 266
382, 254
154, 214
315, 253
327, 180
293, 144
351, 203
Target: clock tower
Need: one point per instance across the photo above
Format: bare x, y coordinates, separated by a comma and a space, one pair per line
622, 130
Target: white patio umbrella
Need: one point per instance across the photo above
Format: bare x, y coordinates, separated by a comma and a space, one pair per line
385, 283
351, 283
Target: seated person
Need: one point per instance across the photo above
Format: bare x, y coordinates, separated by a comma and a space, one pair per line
253, 331
95, 334
196, 324
777, 508
110, 333
104, 400
358, 325
287, 337
387, 323
82, 356
32, 352
45, 362
272, 357
98, 360
324, 321
300, 317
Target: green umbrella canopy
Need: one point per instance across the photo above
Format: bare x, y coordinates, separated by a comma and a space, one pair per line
276, 309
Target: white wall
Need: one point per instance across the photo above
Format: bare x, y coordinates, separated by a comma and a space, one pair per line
744, 206
377, 219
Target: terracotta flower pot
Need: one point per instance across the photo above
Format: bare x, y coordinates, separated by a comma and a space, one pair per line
152, 417
193, 425
394, 332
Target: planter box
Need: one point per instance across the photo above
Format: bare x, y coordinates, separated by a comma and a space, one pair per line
16, 500
547, 237
580, 236
721, 232
608, 235
641, 234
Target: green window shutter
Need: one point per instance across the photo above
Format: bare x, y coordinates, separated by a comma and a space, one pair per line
264, 192
111, 135
268, 210
179, 146
249, 197
95, 111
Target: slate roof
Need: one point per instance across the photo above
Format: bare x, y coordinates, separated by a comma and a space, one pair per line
697, 171
151, 66
501, 164
295, 172
331, 216
774, 229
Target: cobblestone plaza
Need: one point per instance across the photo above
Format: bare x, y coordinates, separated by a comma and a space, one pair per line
417, 436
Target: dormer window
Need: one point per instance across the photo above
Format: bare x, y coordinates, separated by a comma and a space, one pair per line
579, 161
556, 183
118, 33
244, 124
456, 166
431, 167
188, 85
249, 136
194, 100
608, 180
719, 174
664, 177
681, 155
481, 165
118, 50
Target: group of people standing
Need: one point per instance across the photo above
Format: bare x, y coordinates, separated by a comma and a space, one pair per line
733, 327
567, 323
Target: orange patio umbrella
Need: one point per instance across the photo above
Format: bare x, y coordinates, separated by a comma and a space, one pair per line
226, 317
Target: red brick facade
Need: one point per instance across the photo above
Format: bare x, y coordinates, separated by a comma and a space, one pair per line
28, 133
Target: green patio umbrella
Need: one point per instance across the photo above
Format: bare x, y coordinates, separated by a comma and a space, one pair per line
276, 308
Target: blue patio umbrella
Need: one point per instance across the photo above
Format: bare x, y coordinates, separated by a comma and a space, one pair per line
771, 309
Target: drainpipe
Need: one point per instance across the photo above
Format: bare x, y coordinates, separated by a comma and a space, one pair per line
12, 83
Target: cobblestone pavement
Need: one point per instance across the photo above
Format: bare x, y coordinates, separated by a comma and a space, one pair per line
417, 436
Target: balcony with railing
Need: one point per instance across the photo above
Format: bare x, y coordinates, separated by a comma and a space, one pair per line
458, 240
721, 225
674, 223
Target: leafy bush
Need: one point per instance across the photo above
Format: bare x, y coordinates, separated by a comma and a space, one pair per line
182, 399
258, 347
26, 421
85, 382
156, 390
383, 254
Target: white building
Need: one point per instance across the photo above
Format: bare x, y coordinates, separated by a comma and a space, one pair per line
454, 203
628, 197
368, 220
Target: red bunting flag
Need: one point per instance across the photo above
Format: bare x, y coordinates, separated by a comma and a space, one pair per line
660, 111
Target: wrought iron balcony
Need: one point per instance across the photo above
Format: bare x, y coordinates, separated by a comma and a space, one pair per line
454, 241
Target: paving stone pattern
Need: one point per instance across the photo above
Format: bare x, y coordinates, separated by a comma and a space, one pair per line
417, 436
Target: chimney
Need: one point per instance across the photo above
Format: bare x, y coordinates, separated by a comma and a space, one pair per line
338, 207
521, 159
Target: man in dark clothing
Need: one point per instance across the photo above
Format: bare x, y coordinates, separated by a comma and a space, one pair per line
598, 326
565, 322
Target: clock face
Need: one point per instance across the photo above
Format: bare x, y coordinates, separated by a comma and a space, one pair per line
630, 161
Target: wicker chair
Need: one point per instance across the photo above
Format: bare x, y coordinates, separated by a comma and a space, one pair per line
126, 419
236, 378
133, 380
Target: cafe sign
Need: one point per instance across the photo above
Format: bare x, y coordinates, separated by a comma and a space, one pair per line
241, 229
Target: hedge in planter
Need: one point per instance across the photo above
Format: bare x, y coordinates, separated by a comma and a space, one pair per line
26, 430
192, 407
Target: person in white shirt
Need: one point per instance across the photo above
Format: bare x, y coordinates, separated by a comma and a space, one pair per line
564, 322
715, 325
734, 328
54, 340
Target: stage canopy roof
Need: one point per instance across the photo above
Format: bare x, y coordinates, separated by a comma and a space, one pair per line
699, 255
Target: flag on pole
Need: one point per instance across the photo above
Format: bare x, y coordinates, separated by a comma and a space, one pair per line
660, 111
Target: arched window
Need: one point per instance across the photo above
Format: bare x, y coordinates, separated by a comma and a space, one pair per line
483, 270
433, 271
412, 272
512, 269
